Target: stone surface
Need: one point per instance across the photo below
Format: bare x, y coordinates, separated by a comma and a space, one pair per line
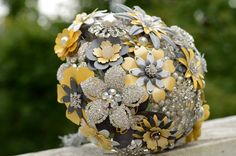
218, 139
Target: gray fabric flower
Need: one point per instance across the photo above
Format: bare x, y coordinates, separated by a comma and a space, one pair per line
104, 53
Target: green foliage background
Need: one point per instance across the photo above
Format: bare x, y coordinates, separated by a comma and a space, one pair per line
30, 117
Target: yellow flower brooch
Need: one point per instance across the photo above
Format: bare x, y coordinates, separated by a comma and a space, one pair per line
129, 82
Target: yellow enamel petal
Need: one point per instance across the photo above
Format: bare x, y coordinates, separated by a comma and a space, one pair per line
116, 48
130, 80
206, 111
195, 84
183, 61
131, 49
147, 136
105, 44
137, 136
162, 142
155, 120
73, 117
60, 93
129, 63
165, 120
185, 51
72, 48
97, 52
158, 94
146, 30
58, 48
103, 60
158, 54
79, 74
115, 57
165, 133
191, 54
141, 52
146, 123
158, 34
140, 129
169, 66
188, 74
169, 83
200, 83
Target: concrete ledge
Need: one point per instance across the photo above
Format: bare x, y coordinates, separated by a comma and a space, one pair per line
218, 139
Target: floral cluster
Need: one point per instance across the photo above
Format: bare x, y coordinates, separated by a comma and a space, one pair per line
118, 73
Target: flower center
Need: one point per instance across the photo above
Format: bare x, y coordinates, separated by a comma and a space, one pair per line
75, 100
107, 52
156, 135
64, 40
112, 97
151, 71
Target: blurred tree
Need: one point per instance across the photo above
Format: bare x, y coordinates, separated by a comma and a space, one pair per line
30, 117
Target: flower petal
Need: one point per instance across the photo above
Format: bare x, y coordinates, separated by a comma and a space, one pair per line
160, 64
136, 72
123, 124
141, 81
158, 54
150, 87
147, 124
101, 66
158, 95
169, 66
130, 79
165, 133
93, 87
73, 117
102, 60
115, 78
115, 57
116, 63
150, 58
169, 83
141, 52
133, 95
140, 62
79, 74
96, 107
97, 52
124, 50
159, 83
183, 61
89, 54
151, 144
129, 63
162, 142
155, 119
60, 93
164, 74
116, 48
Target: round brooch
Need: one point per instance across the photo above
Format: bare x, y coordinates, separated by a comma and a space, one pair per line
132, 84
